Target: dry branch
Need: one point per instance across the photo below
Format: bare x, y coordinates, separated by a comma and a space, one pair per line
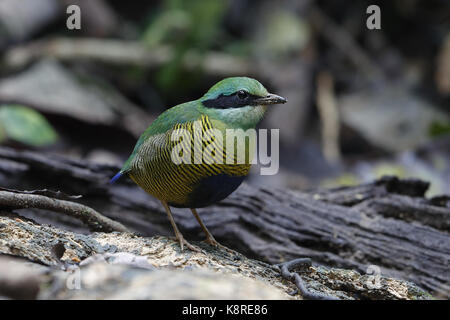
121, 52
329, 117
89, 216
342, 40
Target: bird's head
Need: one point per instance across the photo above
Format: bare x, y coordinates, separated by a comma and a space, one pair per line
240, 101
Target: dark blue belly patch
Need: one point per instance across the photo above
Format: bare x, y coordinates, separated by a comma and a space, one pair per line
211, 190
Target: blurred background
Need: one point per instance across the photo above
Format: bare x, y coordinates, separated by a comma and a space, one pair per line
362, 103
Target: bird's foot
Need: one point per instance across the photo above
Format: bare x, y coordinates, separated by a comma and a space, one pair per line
183, 243
211, 241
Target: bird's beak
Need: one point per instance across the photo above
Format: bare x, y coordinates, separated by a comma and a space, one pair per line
269, 99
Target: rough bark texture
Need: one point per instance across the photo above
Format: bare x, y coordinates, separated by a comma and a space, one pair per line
126, 266
388, 223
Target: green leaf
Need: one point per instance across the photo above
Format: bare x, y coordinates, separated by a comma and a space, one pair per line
438, 128
26, 125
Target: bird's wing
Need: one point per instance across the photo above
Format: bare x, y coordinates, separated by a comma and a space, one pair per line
158, 147
182, 113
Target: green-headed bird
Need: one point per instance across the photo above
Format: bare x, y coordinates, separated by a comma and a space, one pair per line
233, 103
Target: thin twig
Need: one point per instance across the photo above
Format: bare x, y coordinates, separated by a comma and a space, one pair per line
342, 40
93, 219
285, 268
329, 116
122, 52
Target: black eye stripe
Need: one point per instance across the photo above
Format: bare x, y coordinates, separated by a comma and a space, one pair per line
235, 100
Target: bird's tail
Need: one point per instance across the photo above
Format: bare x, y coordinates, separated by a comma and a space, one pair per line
116, 177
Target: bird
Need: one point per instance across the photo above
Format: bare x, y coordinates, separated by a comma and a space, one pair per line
235, 103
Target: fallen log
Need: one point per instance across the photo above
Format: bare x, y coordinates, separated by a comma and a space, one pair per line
387, 225
125, 266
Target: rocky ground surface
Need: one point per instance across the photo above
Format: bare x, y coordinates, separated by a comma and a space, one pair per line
44, 262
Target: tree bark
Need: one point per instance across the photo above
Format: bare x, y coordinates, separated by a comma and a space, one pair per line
388, 223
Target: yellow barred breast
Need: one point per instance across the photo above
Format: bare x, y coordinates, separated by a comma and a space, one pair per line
189, 166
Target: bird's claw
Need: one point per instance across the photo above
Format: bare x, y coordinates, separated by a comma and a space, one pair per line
191, 247
214, 243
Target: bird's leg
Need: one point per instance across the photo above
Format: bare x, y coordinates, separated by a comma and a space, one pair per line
178, 234
209, 237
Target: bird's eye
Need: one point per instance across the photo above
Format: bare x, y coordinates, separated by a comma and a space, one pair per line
242, 94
